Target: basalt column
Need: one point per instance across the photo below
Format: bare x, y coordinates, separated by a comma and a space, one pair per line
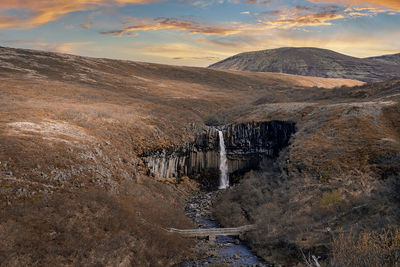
246, 145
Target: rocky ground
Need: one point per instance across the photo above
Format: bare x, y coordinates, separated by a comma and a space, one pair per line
198, 209
225, 251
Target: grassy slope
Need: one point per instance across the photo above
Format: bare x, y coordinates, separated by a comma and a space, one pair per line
71, 129
341, 168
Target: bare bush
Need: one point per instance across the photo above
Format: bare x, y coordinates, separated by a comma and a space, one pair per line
367, 248
88, 229
330, 200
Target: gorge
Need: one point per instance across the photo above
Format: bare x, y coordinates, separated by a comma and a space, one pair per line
246, 145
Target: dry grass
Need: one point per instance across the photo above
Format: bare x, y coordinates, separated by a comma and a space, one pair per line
89, 228
69, 120
367, 248
330, 200
69, 125
341, 168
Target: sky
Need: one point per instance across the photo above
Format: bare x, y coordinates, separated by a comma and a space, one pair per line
199, 32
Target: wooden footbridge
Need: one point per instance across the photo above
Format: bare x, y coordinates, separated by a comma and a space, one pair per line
213, 232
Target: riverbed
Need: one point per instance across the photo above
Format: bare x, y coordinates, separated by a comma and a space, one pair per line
226, 250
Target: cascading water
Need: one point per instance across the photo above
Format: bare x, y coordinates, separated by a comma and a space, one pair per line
223, 167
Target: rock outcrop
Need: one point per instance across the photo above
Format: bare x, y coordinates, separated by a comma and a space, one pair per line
246, 145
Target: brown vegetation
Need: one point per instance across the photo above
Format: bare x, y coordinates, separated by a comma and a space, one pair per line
341, 168
367, 248
72, 130
90, 228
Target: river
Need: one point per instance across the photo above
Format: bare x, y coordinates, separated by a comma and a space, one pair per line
226, 251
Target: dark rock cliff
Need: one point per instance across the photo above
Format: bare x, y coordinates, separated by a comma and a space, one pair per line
246, 145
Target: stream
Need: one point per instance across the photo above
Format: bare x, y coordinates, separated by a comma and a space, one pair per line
227, 250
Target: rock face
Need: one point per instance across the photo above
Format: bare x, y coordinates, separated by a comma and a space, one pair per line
314, 62
246, 144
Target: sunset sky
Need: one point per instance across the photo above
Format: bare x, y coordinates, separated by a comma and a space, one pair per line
199, 32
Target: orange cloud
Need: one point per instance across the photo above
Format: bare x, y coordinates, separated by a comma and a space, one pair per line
317, 19
287, 18
173, 24
180, 50
45, 11
393, 5
363, 11
40, 44
6, 21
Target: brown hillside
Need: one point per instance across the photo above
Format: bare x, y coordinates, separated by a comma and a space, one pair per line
316, 62
71, 130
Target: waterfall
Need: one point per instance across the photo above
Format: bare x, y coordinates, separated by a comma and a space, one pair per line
223, 167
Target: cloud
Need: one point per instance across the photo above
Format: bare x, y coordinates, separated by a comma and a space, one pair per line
8, 21
363, 12
180, 51
200, 58
388, 5
317, 19
200, 3
258, 2
205, 3
296, 16
86, 25
40, 44
172, 24
299, 16
39, 12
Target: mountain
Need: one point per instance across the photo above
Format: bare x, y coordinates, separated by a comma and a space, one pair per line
314, 62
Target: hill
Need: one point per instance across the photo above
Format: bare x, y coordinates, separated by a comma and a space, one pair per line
314, 62
391, 59
74, 189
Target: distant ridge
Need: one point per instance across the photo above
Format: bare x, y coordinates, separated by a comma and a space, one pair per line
391, 59
309, 61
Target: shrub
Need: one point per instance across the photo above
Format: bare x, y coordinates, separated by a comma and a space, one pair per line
90, 228
216, 119
330, 200
367, 248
